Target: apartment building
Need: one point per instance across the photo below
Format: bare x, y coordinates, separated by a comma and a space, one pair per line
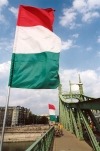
16, 115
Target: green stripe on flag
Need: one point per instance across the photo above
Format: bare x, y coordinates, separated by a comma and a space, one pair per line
35, 70
52, 118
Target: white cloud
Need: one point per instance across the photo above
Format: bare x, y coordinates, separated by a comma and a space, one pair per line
98, 40
2, 19
84, 9
7, 44
80, 5
95, 14
98, 69
67, 45
4, 70
88, 49
86, 17
3, 2
76, 35
69, 15
14, 11
87, 9
98, 54
89, 78
93, 4
84, 6
89, 16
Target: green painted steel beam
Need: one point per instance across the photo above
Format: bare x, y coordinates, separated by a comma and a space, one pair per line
94, 121
74, 123
90, 133
68, 121
79, 124
71, 122
91, 104
77, 96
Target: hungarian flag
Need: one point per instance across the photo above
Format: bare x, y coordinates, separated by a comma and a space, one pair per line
52, 112
35, 57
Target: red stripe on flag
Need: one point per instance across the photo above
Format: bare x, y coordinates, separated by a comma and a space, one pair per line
51, 106
32, 16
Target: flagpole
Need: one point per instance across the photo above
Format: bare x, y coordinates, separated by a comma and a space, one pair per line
5, 116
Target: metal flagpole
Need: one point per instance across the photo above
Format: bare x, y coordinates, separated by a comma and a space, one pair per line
5, 116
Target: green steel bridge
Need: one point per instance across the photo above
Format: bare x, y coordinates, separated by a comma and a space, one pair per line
76, 118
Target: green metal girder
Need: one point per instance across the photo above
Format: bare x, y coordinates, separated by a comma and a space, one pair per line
65, 118
74, 123
77, 96
71, 122
95, 122
61, 111
79, 124
91, 135
91, 104
67, 121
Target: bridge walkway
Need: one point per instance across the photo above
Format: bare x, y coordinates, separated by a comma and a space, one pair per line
69, 142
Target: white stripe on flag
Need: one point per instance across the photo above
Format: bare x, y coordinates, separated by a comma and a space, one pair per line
35, 39
51, 112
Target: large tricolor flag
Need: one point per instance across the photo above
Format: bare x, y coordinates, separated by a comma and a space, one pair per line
35, 58
52, 112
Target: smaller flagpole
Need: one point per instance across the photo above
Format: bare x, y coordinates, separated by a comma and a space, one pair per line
5, 116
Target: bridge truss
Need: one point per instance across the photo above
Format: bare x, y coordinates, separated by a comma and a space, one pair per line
78, 117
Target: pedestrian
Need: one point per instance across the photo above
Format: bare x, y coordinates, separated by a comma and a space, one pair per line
61, 128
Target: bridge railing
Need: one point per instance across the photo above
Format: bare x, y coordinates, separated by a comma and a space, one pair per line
44, 143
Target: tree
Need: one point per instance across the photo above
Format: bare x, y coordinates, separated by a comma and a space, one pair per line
34, 119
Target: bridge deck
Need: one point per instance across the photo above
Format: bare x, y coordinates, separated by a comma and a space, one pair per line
69, 142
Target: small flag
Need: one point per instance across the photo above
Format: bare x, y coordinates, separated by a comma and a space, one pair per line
35, 58
52, 112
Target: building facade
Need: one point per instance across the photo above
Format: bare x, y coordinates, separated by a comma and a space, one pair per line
16, 115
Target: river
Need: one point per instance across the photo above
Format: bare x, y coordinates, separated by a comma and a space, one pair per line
19, 146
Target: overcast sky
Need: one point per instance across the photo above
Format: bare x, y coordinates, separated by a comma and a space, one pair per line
77, 23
